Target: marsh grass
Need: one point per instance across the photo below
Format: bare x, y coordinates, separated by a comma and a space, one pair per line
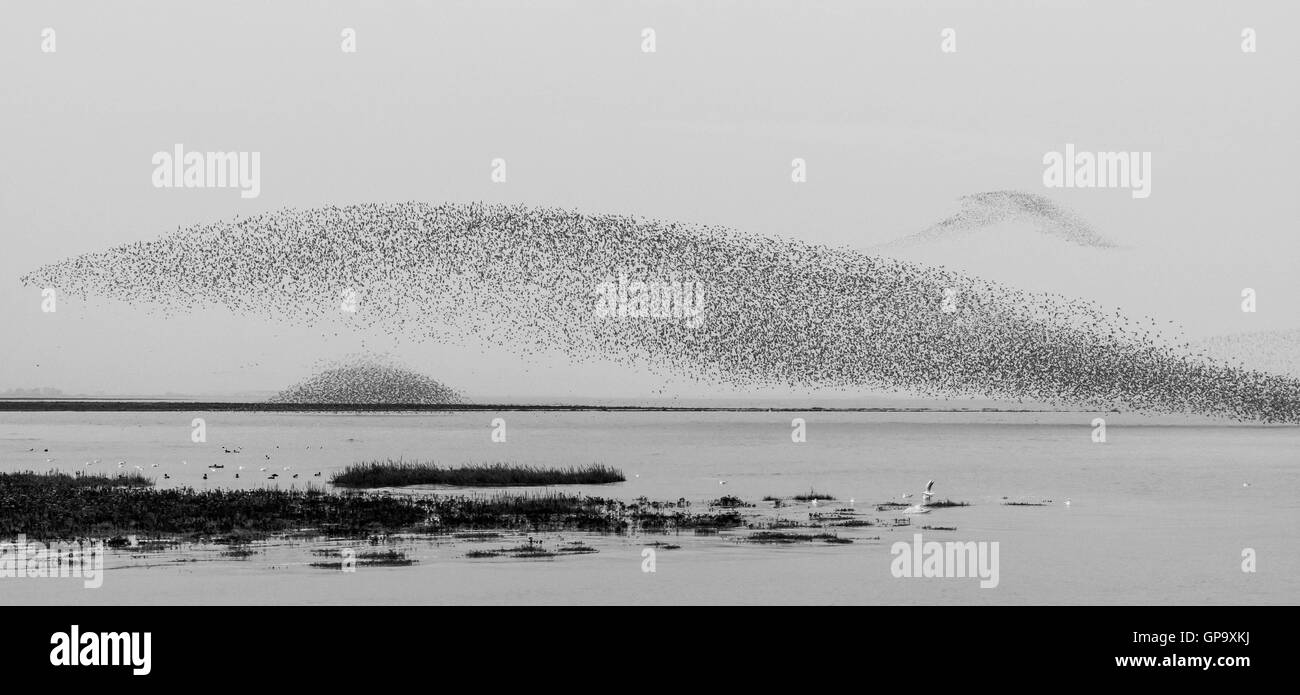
238, 516
392, 473
155, 545
373, 558
54, 478
238, 552
663, 546
785, 538
383, 558
575, 548
812, 495
529, 550
823, 517
476, 535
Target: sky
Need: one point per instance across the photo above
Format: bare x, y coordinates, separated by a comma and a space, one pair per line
702, 130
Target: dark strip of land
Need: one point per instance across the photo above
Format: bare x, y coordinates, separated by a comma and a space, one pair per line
57, 506
219, 406
397, 474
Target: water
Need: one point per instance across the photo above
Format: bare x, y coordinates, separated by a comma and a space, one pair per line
1159, 513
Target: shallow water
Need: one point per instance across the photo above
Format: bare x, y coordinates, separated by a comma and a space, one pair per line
1159, 513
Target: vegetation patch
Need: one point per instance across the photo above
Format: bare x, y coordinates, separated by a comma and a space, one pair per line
398, 474
813, 496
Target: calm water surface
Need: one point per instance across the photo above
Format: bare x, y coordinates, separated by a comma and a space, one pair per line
1160, 513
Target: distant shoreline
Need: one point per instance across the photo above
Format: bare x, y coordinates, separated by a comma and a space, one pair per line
110, 405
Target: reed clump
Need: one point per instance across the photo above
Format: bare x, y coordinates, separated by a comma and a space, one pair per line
392, 473
61, 511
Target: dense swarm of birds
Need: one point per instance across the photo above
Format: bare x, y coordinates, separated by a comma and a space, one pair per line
1277, 352
776, 312
368, 379
996, 207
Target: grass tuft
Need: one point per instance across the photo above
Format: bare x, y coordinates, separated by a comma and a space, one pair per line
30, 479
397, 474
812, 495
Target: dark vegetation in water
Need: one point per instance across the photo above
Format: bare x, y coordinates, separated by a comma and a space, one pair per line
730, 502
477, 535
827, 517
938, 528
783, 537
533, 549
154, 545
70, 511
397, 473
664, 546
1025, 504
575, 548
812, 495
19, 480
525, 552
238, 552
947, 503
368, 558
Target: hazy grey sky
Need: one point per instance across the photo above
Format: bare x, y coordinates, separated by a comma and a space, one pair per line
703, 130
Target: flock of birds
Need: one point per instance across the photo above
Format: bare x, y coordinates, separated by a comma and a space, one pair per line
1276, 351
211, 468
359, 379
995, 207
776, 312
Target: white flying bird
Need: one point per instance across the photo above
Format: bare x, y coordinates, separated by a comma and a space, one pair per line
923, 507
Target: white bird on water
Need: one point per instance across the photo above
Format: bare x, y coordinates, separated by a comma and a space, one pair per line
1067, 501
924, 506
